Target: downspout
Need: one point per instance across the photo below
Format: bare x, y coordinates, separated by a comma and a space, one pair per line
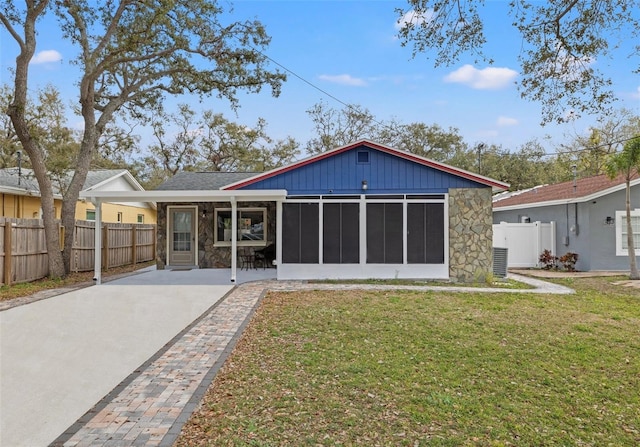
566, 238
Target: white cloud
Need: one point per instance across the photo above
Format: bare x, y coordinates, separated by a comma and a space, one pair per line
344, 79
504, 121
46, 56
636, 94
490, 78
414, 18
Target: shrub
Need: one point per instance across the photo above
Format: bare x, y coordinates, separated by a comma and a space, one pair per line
548, 260
569, 260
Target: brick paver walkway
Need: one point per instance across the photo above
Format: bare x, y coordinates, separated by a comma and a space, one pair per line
150, 407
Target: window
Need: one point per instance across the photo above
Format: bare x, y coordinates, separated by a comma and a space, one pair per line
91, 215
140, 218
363, 157
119, 217
252, 226
622, 248
182, 226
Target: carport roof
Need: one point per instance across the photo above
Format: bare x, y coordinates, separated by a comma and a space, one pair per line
183, 196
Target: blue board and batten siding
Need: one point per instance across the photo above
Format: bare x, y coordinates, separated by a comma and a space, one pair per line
343, 174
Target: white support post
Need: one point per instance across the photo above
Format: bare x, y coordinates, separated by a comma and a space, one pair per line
405, 233
321, 235
363, 230
278, 235
234, 238
97, 262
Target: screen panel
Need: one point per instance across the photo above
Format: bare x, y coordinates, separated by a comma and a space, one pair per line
425, 233
384, 233
300, 233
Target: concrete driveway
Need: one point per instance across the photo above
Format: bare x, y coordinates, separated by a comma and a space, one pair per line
60, 356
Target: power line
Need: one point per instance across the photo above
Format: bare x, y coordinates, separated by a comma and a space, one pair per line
590, 148
351, 107
324, 92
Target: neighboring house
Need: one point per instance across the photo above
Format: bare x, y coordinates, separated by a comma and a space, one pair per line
589, 214
359, 211
20, 196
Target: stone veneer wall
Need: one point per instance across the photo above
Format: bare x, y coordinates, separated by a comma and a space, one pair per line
470, 234
209, 256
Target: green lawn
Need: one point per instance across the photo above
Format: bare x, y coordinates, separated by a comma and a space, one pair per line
436, 368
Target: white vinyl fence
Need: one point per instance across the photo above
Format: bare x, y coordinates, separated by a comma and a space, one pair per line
524, 241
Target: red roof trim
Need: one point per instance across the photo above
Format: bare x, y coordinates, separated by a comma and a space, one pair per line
388, 150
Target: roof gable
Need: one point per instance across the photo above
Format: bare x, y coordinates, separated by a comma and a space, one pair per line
585, 189
387, 171
24, 180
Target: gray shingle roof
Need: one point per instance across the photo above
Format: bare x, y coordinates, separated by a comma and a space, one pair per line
27, 181
184, 181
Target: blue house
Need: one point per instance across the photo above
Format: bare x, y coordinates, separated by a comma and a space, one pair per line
359, 211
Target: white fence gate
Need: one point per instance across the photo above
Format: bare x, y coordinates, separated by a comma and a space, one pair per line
524, 241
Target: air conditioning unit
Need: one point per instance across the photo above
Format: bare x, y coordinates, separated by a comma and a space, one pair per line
500, 262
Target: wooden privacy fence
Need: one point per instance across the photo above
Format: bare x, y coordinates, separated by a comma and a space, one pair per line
24, 250
122, 244
27, 259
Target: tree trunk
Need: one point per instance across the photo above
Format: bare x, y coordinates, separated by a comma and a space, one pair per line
70, 201
17, 113
83, 163
633, 266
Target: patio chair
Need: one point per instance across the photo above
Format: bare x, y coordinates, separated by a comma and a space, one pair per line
265, 256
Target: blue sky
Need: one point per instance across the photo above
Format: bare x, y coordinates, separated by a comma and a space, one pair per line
349, 49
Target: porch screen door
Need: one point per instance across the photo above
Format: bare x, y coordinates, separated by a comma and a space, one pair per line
182, 237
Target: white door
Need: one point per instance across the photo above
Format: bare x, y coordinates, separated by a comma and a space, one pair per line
182, 236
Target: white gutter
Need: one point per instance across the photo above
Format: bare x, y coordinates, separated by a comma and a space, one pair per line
185, 196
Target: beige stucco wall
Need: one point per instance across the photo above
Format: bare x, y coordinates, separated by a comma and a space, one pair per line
470, 234
24, 207
28, 207
110, 212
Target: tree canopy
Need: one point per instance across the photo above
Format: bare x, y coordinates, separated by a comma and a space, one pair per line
560, 42
210, 142
130, 54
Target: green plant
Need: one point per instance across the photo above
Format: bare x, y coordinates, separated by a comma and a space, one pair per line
569, 260
548, 260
